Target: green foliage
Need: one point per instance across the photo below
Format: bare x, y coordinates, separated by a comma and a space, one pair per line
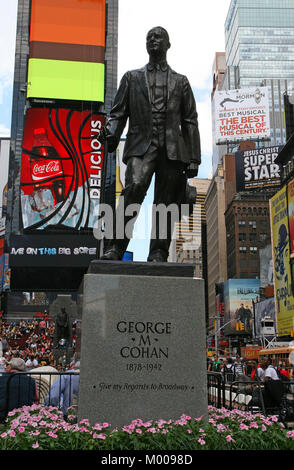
44, 428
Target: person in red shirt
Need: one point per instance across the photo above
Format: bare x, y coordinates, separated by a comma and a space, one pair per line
283, 369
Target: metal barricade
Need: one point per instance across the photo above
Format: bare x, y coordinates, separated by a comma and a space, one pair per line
58, 389
215, 389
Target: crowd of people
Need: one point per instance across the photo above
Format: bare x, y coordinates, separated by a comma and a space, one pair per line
30, 340
263, 381
238, 367
27, 345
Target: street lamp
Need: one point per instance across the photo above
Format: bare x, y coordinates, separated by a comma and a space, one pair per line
217, 330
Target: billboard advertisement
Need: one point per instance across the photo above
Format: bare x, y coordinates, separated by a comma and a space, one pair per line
290, 198
281, 262
241, 115
50, 250
262, 309
266, 266
67, 46
256, 169
238, 297
61, 169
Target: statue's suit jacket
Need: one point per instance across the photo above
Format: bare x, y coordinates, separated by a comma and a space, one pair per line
133, 101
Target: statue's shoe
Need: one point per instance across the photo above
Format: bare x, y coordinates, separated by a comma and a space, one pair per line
156, 257
111, 255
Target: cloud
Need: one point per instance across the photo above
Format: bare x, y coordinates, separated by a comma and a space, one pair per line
4, 131
7, 41
196, 32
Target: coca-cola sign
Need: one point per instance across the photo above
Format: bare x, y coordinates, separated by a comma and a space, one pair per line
62, 169
42, 171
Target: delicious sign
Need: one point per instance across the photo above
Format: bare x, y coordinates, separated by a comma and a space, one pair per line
61, 169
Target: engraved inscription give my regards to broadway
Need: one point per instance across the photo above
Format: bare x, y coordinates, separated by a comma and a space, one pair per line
146, 338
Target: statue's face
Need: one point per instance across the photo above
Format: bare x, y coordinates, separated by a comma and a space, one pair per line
156, 42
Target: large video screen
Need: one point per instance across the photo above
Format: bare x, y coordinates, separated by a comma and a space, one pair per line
238, 297
67, 47
61, 169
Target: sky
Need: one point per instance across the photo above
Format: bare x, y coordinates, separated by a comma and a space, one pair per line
196, 30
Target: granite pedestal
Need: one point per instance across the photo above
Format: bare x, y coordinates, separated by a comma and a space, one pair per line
143, 343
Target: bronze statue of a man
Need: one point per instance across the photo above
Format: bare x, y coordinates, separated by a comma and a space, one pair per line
62, 325
163, 138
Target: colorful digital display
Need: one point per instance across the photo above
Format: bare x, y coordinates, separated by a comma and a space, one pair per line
281, 262
67, 46
61, 169
238, 297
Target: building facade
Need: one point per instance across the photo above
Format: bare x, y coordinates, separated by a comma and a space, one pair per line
248, 230
260, 52
216, 239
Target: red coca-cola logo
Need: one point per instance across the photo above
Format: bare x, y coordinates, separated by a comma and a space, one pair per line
42, 170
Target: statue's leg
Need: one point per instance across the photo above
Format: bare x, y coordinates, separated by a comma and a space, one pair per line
138, 177
169, 194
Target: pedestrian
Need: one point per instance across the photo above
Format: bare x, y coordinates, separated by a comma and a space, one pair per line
227, 369
21, 389
65, 390
238, 367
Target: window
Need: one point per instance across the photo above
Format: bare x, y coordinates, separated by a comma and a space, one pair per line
242, 237
252, 224
242, 249
252, 237
253, 250
263, 237
241, 223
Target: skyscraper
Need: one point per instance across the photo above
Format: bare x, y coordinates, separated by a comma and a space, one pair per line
63, 50
260, 51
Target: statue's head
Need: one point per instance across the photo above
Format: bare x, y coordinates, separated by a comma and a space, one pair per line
157, 41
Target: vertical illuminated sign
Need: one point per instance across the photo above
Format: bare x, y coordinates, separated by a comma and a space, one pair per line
61, 170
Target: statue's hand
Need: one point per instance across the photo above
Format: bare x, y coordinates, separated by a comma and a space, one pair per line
109, 138
192, 170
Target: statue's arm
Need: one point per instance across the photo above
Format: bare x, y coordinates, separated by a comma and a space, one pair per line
189, 124
118, 115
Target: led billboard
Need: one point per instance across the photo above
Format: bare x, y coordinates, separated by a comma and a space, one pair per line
67, 46
238, 297
256, 169
281, 262
241, 115
61, 169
